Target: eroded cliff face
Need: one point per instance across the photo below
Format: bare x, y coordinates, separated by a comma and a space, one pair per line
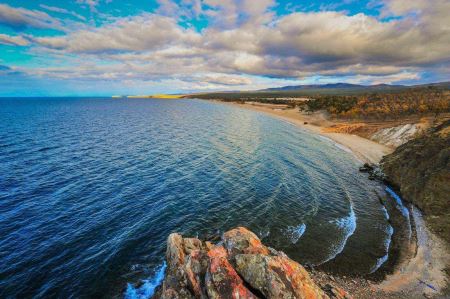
238, 266
420, 169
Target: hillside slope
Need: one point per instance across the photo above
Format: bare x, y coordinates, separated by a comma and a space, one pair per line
420, 169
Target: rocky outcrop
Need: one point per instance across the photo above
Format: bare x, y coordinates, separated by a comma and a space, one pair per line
420, 170
396, 136
238, 266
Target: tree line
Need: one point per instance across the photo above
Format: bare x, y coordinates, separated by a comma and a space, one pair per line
424, 101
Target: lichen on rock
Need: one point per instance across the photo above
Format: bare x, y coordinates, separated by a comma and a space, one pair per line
238, 266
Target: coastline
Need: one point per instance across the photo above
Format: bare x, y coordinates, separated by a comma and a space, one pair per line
421, 273
365, 150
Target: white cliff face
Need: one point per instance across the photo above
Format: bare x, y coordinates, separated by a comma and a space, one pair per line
395, 136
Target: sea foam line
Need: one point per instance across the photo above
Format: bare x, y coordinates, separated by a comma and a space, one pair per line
348, 225
387, 244
401, 208
400, 205
147, 289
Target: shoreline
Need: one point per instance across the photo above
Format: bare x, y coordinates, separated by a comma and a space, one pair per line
364, 150
421, 273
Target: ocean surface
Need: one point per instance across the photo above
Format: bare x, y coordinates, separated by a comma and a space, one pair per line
90, 189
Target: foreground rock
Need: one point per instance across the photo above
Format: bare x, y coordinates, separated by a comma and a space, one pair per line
238, 266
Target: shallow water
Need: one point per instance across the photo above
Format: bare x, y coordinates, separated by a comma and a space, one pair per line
90, 189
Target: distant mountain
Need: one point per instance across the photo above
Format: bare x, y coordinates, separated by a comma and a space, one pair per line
332, 86
443, 85
344, 86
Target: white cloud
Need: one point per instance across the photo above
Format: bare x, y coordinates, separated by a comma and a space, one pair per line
13, 40
20, 18
62, 11
141, 33
246, 39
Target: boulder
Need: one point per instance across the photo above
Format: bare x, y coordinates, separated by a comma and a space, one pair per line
277, 276
222, 281
238, 266
242, 241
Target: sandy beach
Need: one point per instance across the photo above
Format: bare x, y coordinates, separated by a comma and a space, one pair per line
365, 150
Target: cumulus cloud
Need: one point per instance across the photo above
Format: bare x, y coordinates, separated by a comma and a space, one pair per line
221, 79
141, 33
246, 38
21, 18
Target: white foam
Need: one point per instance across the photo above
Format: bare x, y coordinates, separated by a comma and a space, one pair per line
387, 243
400, 205
264, 233
296, 232
348, 226
147, 289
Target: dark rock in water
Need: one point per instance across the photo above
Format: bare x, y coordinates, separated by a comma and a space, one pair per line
239, 266
367, 168
420, 170
373, 170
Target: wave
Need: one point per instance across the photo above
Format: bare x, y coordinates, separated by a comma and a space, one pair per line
387, 243
399, 201
148, 287
264, 233
296, 232
348, 226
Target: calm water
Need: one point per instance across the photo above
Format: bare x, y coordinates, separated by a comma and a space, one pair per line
90, 189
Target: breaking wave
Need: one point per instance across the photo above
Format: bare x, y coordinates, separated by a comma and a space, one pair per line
348, 226
148, 287
387, 243
296, 232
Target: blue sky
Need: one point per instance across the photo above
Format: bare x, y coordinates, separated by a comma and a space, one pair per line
105, 47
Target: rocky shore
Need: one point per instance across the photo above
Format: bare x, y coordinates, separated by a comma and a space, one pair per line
420, 171
237, 266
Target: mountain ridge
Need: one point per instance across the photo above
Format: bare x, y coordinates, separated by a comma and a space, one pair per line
343, 85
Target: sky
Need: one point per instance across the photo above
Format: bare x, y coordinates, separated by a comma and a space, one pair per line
120, 47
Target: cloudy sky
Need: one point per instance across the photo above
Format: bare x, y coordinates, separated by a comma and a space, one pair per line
105, 47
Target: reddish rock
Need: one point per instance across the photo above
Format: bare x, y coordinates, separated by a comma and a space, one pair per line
175, 251
222, 281
191, 244
277, 276
242, 268
242, 241
196, 265
175, 284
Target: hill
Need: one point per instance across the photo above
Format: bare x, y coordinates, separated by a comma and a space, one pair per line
338, 89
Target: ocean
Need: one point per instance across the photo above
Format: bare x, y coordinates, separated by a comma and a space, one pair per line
90, 188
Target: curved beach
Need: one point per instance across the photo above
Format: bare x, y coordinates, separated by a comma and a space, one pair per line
421, 270
364, 149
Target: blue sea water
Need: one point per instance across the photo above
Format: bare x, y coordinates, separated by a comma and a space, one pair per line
91, 187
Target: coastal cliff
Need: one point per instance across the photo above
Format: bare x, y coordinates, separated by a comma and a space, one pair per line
237, 266
420, 170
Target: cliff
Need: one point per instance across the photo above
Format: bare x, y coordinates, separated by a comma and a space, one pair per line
238, 266
420, 170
